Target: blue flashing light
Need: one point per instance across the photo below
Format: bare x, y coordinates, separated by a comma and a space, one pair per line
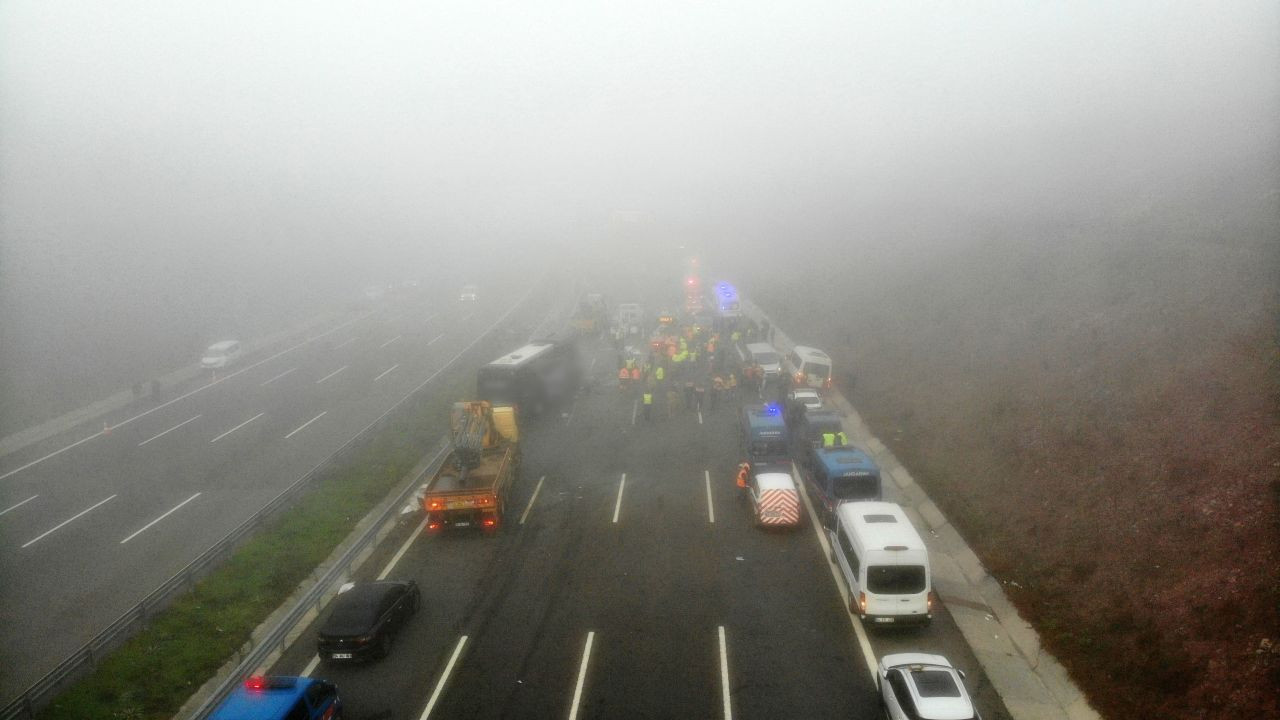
772, 409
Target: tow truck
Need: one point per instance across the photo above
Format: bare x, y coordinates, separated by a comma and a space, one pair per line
470, 488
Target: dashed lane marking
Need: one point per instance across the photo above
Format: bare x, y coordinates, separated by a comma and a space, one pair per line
444, 677
15, 507
153, 522
618, 505
335, 372
582, 676
64, 523
268, 382
532, 497
311, 666
724, 674
404, 548
433, 340
344, 343
711, 508
384, 372
391, 340
303, 425
166, 432
246, 422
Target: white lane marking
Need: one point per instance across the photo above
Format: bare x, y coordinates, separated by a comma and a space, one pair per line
711, 508
404, 548
303, 425
166, 432
582, 676
311, 666
868, 655
206, 386
15, 507
618, 506
246, 422
468, 317
569, 418
384, 372
593, 365
153, 522
286, 372
344, 343
433, 340
391, 340
634, 407
335, 372
46, 457
444, 677
532, 497
724, 675
430, 318
59, 526
699, 417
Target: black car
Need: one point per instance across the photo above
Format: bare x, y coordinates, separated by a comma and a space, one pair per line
365, 619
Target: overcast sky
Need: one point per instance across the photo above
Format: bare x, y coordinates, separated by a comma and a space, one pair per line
161, 149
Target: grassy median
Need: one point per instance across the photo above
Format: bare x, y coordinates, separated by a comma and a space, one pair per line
155, 672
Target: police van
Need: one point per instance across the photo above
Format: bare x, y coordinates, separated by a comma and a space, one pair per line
884, 563
764, 436
837, 475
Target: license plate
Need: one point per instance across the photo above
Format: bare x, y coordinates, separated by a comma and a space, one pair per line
772, 513
884, 619
462, 524
342, 656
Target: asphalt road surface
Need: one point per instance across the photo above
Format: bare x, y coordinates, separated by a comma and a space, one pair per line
90, 522
653, 596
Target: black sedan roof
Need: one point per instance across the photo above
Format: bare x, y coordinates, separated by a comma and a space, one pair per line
356, 610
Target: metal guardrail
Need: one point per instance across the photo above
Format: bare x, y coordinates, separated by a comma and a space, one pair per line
84, 660
277, 637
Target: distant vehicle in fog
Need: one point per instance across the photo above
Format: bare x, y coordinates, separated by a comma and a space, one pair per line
374, 293
468, 293
221, 354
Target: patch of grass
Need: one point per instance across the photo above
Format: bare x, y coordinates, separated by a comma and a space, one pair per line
155, 672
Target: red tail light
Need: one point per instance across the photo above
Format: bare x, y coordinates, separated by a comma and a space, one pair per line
827, 384
929, 603
433, 526
862, 602
490, 522
799, 378
256, 682
435, 505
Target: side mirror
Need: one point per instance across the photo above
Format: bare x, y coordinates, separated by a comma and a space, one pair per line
961, 673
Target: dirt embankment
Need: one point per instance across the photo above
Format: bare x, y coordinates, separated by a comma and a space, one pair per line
1096, 410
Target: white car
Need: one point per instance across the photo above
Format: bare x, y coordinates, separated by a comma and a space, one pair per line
807, 397
468, 293
916, 686
221, 354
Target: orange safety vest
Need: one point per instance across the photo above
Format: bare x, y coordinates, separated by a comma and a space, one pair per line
622, 374
743, 470
635, 373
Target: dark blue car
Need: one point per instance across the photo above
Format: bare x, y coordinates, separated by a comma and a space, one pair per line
279, 697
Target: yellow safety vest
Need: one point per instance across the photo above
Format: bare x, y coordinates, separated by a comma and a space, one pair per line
659, 373
648, 398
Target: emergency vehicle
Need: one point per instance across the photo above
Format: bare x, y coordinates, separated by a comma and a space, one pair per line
278, 697
836, 475
774, 499
764, 436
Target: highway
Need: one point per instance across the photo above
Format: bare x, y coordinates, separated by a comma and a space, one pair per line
92, 520
628, 582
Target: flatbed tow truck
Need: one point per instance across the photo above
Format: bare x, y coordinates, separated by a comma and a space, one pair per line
470, 488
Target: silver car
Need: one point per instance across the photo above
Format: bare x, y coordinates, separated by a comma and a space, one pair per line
916, 686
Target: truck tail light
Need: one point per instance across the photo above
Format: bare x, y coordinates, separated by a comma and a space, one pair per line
799, 378
435, 505
490, 521
433, 525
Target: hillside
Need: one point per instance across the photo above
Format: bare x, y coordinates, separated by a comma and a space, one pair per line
1094, 404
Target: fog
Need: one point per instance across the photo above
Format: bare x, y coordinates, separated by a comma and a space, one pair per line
169, 171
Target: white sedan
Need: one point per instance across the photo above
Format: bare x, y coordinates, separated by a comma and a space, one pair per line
916, 686
807, 397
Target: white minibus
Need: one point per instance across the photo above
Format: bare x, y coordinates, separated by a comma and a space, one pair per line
884, 562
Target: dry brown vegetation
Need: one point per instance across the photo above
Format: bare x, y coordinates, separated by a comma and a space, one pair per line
1095, 407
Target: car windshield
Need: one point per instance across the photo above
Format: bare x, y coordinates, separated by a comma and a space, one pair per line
931, 683
817, 370
767, 358
856, 488
895, 579
768, 448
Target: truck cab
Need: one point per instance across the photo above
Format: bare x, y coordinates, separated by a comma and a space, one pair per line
838, 475
764, 436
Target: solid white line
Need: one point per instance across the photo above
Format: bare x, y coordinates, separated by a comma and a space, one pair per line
206, 386
433, 340
868, 655
448, 669
711, 509
404, 548
699, 417
286, 372
618, 506
77, 516
582, 676
153, 522
384, 372
634, 407
344, 343
311, 666
166, 432
532, 497
724, 676
246, 422
391, 340
335, 372
46, 457
15, 507
299, 428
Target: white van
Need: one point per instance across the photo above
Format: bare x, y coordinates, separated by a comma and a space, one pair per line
768, 358
884, 562
809, 366
221, 354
